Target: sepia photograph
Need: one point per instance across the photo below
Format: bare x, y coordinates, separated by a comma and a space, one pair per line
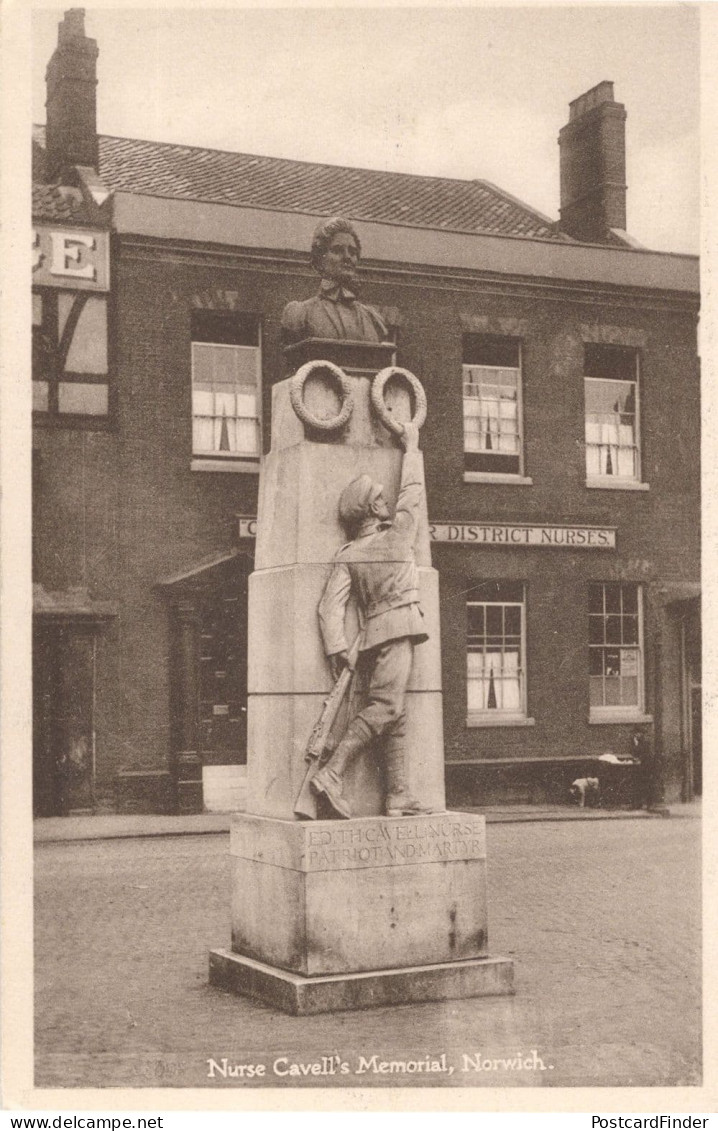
366, 743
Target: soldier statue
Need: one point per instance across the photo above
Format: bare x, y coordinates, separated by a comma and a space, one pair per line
334, 312
379, 569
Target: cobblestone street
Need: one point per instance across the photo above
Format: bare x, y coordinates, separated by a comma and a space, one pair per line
602, 919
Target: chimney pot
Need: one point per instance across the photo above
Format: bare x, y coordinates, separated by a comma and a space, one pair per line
593, 165
72, 25
602, 92
71, 131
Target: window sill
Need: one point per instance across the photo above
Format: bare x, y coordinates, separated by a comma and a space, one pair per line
104, 423
481, 720
496, 477
607, 484
244, 466
616, 716
547, 760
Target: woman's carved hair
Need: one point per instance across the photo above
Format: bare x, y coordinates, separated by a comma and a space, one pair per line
325, 233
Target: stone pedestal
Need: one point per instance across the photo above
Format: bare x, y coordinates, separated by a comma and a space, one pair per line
334, 914
347, 914
298, 534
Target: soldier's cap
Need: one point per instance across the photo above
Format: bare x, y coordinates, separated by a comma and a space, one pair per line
356, 499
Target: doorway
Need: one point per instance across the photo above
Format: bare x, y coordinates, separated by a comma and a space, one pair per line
64, 657
692, 713
208, 672
222, 695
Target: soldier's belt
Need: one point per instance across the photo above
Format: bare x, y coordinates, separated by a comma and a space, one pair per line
396, 601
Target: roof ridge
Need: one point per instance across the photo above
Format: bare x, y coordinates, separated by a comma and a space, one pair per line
516, 200
331, 165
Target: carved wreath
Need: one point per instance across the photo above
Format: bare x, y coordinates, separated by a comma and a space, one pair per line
339, 379
380, 406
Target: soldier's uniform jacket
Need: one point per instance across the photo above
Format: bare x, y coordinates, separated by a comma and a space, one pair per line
380, 569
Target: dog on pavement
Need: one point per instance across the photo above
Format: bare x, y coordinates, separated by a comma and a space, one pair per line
585, 791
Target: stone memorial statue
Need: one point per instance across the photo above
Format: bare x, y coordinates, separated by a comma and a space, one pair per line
387, 905
335, 311
378, 566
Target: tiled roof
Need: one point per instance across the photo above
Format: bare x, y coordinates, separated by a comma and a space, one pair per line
189, 173
55, 202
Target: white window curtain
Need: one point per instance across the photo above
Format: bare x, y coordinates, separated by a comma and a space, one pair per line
508, 426
491, 410
472, 423
494, 681
225, 406
489, 430
610, 449
610, 429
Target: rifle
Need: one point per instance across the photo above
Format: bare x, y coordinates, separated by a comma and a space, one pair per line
306, 804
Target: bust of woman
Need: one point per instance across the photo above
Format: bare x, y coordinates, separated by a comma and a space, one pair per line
335, 311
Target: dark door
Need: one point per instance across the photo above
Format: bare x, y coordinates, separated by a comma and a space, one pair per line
63, 731
696, 736
45, 770
692, 712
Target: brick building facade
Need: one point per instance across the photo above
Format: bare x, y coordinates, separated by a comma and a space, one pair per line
561, 451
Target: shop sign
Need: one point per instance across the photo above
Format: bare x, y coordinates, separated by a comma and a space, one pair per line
70, 258
247, 526
526, 534
501, 534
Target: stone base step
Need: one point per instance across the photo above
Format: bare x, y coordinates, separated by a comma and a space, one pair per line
298, 995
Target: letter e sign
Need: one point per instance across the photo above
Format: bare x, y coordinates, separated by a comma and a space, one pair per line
69, 257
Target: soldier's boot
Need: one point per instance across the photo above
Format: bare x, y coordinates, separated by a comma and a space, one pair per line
398, 802
328, 780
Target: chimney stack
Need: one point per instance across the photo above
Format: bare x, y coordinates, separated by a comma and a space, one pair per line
71, 131
593, 166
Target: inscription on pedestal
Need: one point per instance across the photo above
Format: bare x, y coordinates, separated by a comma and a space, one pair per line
366, 842
364, 845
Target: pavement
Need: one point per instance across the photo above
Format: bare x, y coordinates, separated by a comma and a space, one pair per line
110, 826
601, 917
